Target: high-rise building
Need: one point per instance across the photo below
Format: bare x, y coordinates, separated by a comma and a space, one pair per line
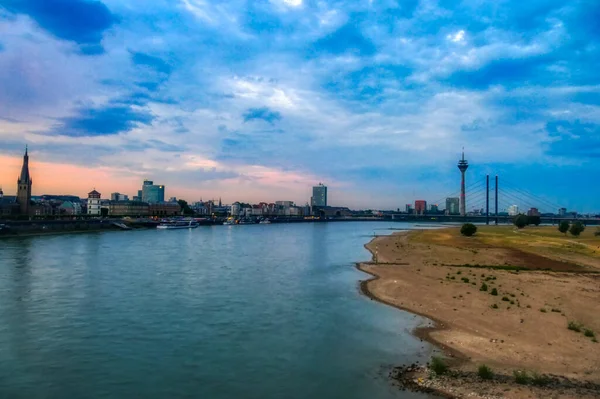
562, 212
24, 183
513, 210
420, 207
408, 208
463, 165
433, 208
452, 206
93, 204
533, 212
152, 193
319, 197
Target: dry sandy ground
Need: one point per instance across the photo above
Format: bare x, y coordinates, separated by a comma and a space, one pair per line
527, 330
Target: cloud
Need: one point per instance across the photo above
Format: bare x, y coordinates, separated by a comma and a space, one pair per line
101, 121
81, 21
152, 62
263, 113
347, 39
574, 138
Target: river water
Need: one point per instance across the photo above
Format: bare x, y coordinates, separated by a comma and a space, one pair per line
254, 311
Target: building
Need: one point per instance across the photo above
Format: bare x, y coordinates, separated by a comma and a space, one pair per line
152, 193
562, 212
285, 204
24, 183
93, 203
173, 199
452, 206
463, 165
420, 207
513, 210
408, 209
69, 208
434, 209
533, 212
128, 208
119, 197
164, 209
319, 196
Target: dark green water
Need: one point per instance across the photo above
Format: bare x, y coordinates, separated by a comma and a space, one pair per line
264, 311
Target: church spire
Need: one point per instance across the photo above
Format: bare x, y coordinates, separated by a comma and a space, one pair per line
25, 178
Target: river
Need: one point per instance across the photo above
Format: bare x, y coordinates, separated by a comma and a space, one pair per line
253, 311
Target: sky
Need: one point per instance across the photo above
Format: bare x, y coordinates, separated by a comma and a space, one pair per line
260, 100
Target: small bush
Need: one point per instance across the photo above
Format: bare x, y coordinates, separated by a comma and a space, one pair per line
594, 340
468, 229
494, 306
484, 287
459, 272
505, 299
438, 365
512, 302
563, 227
485, 372
521, 377
589, 333
543, 310
555, 310
597, 232
466, 280
494, 292
539, 380
521, 221
573, 326
576, 229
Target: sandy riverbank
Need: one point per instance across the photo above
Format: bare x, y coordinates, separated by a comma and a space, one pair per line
440, 275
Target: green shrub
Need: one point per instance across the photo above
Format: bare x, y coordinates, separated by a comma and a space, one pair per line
539, 380
484, 287
438, 365
589, 333
521, 221
563, 227
573, 326
576, 229
468, 229
494, 292
466, 280
505, 299
597, 232
555, 310
543, 310
485, 372
494, 306
521, 377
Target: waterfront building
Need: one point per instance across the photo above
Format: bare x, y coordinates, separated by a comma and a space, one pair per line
452, 206
319, 196
513, 210
173, 199
463, 165
164, 209
119, 197
94, 203
152, 193
69, 208
408, 209
128, 208
24, 183
235, 209
420, 207
533, 212
433, 208
562, 212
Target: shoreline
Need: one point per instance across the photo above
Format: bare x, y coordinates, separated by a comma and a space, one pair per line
404, 276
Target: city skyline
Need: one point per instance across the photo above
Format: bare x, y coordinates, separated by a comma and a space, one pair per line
263, 100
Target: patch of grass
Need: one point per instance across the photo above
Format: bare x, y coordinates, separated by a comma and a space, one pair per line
438, 365
589, 333
505, 299
459, 272
494, 292
521, 377
465, 279
555, 310
452, 278
512, 302
594, 340
573, 326
485, 372
543, 310
494, 306
483, 287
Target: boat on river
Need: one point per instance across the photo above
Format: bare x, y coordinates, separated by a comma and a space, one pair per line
178, 224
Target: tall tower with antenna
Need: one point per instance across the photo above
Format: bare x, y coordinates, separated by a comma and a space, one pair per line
463, 165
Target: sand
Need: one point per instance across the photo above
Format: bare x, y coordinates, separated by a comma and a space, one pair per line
424, 272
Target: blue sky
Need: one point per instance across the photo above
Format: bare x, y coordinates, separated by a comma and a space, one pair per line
260, 100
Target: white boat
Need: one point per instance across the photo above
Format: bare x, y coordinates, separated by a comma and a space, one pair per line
178, 224
265, 221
